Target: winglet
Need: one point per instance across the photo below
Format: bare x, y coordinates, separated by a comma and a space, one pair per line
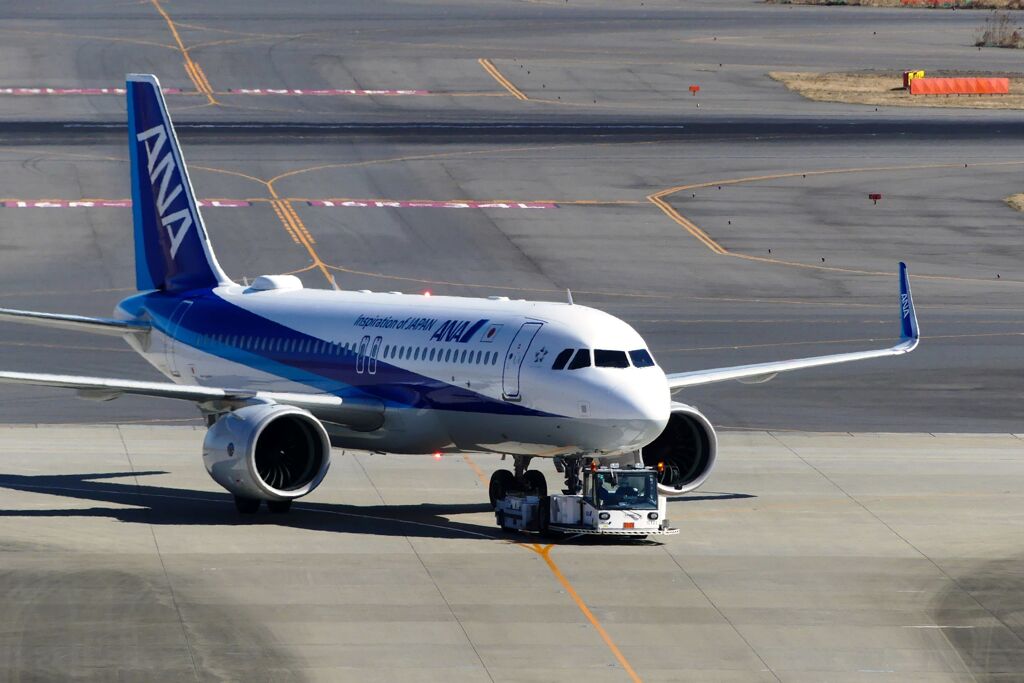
908, 315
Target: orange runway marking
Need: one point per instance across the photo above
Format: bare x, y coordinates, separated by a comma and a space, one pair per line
545, 552
658, 199
195, 73
502, 81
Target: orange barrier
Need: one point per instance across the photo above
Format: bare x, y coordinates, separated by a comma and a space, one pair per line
960, 86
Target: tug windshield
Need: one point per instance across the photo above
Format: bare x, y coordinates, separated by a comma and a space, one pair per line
625, 490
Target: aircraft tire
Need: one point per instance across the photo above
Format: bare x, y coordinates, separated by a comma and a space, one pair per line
536, 483
502, 481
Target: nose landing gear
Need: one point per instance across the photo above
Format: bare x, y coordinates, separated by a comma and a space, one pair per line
530, 482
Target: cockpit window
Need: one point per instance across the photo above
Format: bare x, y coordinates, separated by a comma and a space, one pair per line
562, 359
610, 359
580, 360
641, 358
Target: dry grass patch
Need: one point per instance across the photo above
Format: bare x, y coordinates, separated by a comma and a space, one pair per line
1016, 201
886, 89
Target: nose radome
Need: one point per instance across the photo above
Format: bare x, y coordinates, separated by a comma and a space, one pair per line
645, 399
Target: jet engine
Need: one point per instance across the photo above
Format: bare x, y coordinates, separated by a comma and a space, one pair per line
267, 452
684, 452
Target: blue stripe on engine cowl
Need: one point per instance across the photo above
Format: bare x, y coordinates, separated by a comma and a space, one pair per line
391, 384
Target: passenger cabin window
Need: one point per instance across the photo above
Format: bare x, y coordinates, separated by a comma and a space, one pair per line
562, 359
580, 360
610, 359
641, 358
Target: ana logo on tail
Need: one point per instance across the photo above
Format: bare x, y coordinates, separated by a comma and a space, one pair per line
165, 169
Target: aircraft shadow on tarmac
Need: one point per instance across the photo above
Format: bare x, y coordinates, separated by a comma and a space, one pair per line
184, 507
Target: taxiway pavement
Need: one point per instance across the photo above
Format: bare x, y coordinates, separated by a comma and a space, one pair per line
841, 557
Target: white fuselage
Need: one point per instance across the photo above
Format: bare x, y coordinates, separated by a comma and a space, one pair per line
442, 373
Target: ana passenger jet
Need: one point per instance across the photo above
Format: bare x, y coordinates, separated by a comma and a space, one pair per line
284, 373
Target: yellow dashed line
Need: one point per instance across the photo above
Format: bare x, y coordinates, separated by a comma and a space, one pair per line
502, 81
284, 221
195, 74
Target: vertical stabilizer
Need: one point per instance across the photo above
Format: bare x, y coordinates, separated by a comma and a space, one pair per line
172, 250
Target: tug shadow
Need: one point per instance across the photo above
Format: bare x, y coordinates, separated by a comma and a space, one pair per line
140, 503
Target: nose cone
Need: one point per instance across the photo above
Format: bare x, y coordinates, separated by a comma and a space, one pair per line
640, 405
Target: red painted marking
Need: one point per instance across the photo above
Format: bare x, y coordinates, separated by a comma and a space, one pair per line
103, 203
75, 91
405, 204
321, 93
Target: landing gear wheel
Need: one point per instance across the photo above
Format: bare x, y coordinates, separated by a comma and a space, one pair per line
502, 481
247, 506
535, 482
279, 507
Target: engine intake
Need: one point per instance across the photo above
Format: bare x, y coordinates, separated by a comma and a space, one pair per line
269, 452
684, 452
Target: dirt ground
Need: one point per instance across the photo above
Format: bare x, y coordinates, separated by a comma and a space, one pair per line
1016, 201
886, 89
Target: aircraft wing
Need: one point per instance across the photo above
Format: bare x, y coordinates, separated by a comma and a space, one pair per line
100, 388
762, 372
80, 323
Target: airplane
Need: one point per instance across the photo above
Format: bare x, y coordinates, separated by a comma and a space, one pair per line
283, 373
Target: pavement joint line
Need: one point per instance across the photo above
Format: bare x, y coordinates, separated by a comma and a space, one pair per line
163, 565
426, 570
856, 501
545, 553
657, 198
722, 614
195, 73
489, 67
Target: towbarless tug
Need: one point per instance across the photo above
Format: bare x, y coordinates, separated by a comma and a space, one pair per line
610, 501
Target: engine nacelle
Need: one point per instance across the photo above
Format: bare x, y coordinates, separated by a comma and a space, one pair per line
684, 452
268, 452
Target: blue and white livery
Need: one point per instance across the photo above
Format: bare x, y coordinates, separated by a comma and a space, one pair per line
283, 373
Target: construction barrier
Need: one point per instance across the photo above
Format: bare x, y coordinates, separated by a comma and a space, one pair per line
960, 86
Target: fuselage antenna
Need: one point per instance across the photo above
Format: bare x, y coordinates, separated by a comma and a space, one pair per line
568, 295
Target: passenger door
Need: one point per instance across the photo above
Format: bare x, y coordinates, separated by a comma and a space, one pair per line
514, 358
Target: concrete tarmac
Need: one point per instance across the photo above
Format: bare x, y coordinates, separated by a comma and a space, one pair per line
840, 557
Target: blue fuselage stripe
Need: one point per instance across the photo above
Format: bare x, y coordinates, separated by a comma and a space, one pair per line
215, 326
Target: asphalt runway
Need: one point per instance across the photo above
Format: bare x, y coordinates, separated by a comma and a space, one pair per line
531, 148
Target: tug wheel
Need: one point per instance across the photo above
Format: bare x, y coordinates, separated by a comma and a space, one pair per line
502, 481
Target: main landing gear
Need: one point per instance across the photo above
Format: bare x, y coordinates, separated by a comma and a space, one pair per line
523, 480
